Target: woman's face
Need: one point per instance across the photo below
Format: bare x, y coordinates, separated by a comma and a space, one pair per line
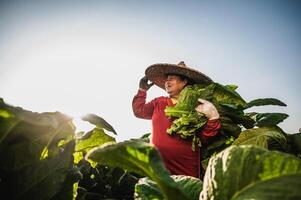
174, 85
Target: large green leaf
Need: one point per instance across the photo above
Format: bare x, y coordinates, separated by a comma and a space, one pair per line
92, 139
147, 189
269, 119
237, 168
225, 95
141, 158
264, 101
34, 164
99, 122
266, 137
41, 127
88, 141
282, 188
265, 119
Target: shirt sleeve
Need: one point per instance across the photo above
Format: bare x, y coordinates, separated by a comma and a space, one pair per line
140, 108
211, 129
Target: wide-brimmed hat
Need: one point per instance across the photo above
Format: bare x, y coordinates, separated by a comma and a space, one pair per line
157, 73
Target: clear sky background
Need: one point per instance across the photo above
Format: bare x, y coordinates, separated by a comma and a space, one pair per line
81, 57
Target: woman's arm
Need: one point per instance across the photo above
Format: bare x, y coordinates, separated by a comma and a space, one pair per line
209, 131
140, 108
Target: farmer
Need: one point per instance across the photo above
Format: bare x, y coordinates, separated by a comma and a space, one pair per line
177, 154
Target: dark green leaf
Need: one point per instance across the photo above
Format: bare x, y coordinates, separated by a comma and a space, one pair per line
67, 189
99, 122
25, 135
247, 122
265, 101
46, 119
294, 141
266, 137
269, 119
229, 127
144, 138
147, 189
43, 179
108, 182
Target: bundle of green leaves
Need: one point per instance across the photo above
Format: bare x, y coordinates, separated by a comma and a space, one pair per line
230, 105
188, 123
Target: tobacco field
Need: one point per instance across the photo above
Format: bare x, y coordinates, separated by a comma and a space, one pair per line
42, 157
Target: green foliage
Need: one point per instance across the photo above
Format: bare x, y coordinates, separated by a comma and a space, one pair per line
100, 181
225, 95
283, 188
32, 164
271, 138
188, 122
89, 140
265, 101
99, 122
141, 158
268, 119
40, 158
229, 128
146, 137
238, 171
92, 139
220, 143
104, 182
231, 106
294, 144
147, 189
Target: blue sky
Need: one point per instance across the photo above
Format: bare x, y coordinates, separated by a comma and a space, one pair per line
82, 57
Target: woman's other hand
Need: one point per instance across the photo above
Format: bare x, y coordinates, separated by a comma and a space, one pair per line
208, 109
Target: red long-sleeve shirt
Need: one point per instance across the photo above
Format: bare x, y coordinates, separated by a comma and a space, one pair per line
176, 152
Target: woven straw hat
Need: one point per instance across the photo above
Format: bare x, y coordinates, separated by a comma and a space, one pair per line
157, 73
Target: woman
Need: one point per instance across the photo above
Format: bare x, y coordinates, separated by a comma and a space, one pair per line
176, 152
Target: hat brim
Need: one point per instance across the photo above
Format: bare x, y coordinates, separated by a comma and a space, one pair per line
157, 73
